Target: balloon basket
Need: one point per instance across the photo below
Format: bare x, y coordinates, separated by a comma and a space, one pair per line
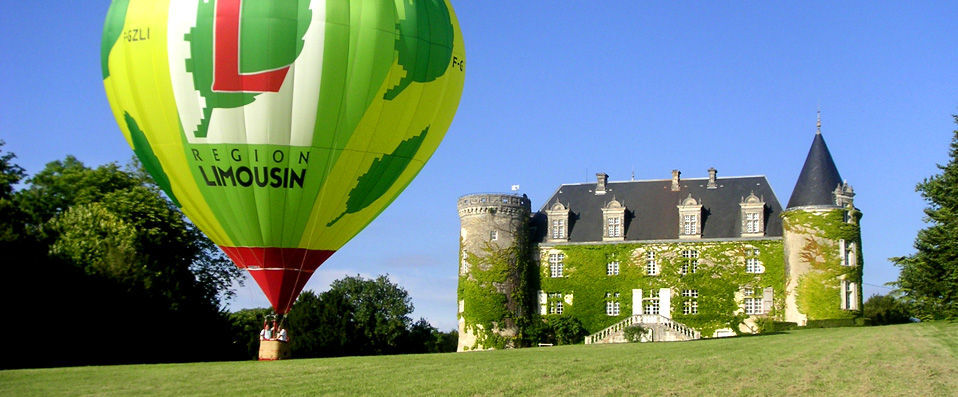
271, 350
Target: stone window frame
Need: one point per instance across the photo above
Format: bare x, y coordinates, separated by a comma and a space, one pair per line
690, 218
846, 251
556, 264
752, 207
558, 218
613, 221
493, 235
849, 295
558, 229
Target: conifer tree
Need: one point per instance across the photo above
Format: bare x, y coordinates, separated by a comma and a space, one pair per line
929, 278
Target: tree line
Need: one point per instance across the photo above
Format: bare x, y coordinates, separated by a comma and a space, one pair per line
101, 268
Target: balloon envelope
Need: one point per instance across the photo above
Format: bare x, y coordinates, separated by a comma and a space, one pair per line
282, 127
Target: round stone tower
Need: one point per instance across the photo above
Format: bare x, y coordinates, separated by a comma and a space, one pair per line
493, 267
822, 241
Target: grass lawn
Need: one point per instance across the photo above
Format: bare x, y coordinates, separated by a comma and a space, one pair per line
912, 359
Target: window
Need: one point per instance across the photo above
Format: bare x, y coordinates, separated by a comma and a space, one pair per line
615, 226
650, 304
752, 222
612, 268
753, 306
848, 253
691, 302
651, 266
690, 224
612, 304
753, 265
558, 228
494, 235
690, 263
555, 264
849, 296
555, 303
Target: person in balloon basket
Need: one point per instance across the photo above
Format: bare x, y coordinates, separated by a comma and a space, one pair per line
282, 336
267, 332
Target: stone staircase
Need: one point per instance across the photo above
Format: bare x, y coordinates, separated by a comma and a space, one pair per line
663, 330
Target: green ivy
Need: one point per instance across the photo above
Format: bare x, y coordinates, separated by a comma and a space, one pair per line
720, 274
498, 289
818, 293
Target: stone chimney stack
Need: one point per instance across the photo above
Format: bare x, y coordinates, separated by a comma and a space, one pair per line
712, 183
675, 180
601, 180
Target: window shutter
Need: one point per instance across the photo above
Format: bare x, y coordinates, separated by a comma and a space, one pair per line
665, 302
543, 303
767, 300
841, 251
636, 301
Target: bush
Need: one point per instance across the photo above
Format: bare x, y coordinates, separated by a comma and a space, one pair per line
832, 323
633, 333
567, 330
768, 325
886, 309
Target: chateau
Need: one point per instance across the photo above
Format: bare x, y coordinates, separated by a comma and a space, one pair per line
685, 258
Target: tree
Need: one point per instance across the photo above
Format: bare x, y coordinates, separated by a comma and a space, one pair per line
11, 217
929, 277
356, 316
885, 310
103, 253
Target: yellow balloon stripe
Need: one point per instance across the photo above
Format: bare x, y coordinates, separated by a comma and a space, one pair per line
139, 84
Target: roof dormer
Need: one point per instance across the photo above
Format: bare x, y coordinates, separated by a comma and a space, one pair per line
558, 218
753, 216
690, 218
613, 221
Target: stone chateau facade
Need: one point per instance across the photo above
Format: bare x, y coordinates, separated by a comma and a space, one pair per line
683, 257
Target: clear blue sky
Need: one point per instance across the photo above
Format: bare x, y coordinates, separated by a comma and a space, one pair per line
557, 91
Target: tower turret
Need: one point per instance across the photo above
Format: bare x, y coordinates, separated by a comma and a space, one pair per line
822, 239
493, 269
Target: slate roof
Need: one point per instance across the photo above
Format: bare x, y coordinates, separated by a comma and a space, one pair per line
818, 179
652, 212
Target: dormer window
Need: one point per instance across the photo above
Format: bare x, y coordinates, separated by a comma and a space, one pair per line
558, 215
753, 216
690, 218
615, 227
690, 224
613, 215
558, 229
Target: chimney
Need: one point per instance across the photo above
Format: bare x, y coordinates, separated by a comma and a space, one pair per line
712, 184
601, 179
675, 180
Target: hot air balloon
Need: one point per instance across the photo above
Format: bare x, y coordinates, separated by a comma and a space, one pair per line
281, 128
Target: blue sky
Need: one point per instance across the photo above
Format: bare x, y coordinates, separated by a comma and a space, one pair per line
557, 91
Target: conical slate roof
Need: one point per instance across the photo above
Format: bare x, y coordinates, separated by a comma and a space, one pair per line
818, 179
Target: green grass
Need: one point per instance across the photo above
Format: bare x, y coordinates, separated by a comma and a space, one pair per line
912, 359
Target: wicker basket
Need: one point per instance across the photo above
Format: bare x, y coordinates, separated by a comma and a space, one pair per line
273, 350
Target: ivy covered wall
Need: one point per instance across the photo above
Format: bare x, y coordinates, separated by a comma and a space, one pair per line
815, 237
498, 291
719, 278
